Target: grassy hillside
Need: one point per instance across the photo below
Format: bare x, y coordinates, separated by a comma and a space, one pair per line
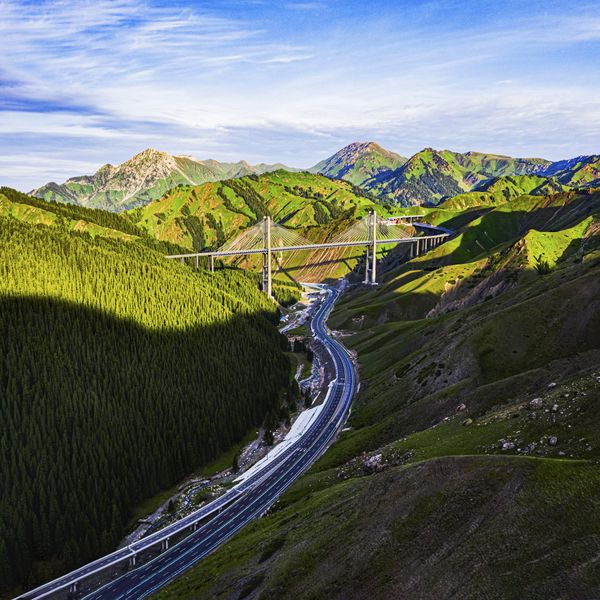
359, 163
77, 219
197, 217
470, 466
120, 373
498, 190
205, 216
430, 176
583, 171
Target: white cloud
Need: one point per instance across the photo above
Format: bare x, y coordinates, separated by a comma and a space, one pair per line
124, 74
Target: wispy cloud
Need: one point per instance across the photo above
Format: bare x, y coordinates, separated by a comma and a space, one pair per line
269, 81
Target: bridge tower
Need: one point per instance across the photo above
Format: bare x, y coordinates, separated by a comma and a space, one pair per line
266, 269
367, 257
374, 247
371, 256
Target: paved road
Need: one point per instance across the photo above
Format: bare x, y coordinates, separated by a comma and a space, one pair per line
238, 506
150, 577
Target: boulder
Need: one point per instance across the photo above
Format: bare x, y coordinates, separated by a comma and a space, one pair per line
373, 464
535, 403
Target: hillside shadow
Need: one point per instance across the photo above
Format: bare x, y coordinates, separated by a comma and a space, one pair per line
100, 413
577, 248
500, 227
462, 220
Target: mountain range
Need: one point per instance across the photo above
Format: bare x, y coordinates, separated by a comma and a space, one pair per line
143, 178
431, 176
427, 178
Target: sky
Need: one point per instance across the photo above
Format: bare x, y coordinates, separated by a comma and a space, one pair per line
88, 83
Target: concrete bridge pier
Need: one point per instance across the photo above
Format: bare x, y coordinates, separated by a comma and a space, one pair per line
212, 263
132, 561
73, 588
267, 285
164, 545
374, 248
366, 280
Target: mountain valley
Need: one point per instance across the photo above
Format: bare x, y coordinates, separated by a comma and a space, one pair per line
479, 366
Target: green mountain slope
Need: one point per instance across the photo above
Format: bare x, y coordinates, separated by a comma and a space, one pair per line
205, 216
512, 186
583, 171
72, 218
359, 163
432, 175
469, 469
120, 373
498, 190
143, 178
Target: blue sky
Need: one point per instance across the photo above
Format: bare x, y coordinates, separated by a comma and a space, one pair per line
86, 83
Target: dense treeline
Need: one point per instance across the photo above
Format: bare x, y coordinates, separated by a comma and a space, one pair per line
120, 372
251, 197
119, 222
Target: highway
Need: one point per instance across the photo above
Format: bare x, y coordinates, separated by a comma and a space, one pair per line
155, 574
237, 507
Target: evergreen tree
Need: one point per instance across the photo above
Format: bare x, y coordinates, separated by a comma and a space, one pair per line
120, 373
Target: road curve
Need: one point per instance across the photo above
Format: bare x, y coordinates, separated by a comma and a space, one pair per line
239, 505
145, 580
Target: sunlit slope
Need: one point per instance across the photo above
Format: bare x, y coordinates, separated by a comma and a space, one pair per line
76, 219
504, 242
141, 179
582, 171
207, 215
502, 189
315, 207
476, 428
430, 176
361, 163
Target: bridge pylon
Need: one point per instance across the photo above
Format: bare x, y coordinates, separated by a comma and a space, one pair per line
371, 254
374, 247
267, 285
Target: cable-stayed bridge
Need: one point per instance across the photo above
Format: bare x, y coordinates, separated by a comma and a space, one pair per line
139, 569
268, 239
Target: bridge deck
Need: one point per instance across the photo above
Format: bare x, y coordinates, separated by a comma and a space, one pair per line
310, 246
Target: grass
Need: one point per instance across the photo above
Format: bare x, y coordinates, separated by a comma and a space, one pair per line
360, 536
475, 494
